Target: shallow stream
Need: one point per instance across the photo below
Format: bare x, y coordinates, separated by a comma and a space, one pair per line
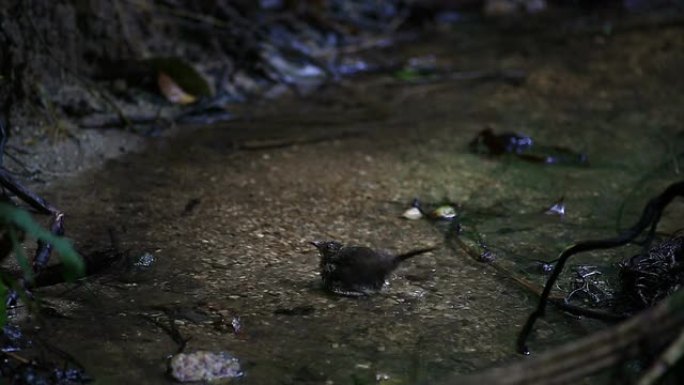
227, 212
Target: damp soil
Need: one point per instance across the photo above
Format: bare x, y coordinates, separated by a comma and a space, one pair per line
227, 212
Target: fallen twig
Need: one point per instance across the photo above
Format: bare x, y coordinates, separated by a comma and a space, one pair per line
574, 361
665, 362
268, 144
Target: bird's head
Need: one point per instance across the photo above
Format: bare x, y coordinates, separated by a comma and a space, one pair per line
327, 248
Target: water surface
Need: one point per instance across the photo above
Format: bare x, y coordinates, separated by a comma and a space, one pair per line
365, 149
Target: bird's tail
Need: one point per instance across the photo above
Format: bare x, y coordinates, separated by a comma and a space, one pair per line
413, 253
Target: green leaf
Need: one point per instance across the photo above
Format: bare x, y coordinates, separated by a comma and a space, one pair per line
73, 263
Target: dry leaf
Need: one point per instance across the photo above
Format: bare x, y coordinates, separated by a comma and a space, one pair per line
172, 91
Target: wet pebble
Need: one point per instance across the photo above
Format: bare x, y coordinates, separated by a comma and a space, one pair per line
413, 213
487, 256
204, 366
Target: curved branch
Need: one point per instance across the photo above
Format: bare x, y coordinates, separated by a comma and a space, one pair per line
649, 217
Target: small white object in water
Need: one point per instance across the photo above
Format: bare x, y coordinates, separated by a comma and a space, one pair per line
413, 213
144, 261
444, 212
557, 209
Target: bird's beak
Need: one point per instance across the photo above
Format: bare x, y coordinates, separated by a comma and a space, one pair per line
316, 243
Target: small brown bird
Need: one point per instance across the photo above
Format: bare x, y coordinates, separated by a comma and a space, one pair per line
357, 270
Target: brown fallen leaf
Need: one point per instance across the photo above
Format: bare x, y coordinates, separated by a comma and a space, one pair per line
172, 91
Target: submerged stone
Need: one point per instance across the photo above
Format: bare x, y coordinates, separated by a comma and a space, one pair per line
204, 366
